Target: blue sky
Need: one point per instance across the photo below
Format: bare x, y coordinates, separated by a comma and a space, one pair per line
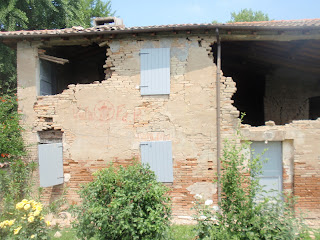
161, 12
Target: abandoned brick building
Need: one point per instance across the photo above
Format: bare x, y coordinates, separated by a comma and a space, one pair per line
168, 96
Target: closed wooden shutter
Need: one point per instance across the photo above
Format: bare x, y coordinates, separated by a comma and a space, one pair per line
50, 164
155, 71
271, 177
159, 156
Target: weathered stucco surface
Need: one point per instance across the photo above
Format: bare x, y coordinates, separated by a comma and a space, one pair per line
105, 122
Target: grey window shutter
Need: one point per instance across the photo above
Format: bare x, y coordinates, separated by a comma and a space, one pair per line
155, 71
271, 177
159, 156
46, 81
50, 164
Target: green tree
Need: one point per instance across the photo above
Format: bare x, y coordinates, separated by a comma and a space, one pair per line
248, 15
95, 8
41, 14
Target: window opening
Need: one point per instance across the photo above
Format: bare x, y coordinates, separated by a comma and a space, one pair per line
64, 65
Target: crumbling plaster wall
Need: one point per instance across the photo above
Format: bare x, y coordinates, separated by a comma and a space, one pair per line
287, 95
105, 122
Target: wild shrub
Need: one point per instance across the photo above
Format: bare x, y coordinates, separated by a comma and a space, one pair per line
11, 141
15, 185
124, 203
15, 174
243, 211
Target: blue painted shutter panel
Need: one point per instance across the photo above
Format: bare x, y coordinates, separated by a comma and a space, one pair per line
50, 164
46, 86
159, 156
155, 71
271, 178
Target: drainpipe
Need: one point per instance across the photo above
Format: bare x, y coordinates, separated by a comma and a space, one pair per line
218, 112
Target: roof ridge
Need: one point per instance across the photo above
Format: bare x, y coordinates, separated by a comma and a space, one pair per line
283, 20
78, 30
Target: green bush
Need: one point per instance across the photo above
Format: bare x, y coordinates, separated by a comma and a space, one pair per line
16, 176
11, 142
15, 185
124, 203
241, 215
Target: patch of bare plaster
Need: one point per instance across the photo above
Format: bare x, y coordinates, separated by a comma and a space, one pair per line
165, 43
205, 189
288, 160
114, 46
148, 44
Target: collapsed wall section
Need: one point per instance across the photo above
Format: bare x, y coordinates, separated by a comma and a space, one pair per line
278, 88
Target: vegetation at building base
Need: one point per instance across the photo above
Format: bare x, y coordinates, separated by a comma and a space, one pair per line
11, 142
15, 173
124, 203
177, 232
245, 211
19, 218
25, 222
41, 14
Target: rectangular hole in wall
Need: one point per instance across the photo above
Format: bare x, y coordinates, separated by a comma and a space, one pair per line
50, 136
274, 79
64, 65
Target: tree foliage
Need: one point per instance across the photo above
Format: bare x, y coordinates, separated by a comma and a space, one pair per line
48, 14
248, 15
42, 14
95, 8
11, 142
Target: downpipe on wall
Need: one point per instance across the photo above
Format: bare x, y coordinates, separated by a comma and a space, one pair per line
218, 112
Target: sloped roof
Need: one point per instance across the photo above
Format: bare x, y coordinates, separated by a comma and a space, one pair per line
109, 29
281, 23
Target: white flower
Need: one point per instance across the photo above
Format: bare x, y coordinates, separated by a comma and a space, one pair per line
215, 208
208, 202
198, 196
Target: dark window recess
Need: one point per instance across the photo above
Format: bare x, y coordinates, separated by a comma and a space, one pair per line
314, 108
85, 66
274, 79
50, 136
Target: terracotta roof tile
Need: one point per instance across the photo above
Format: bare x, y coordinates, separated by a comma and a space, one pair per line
109, 28
281, 23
